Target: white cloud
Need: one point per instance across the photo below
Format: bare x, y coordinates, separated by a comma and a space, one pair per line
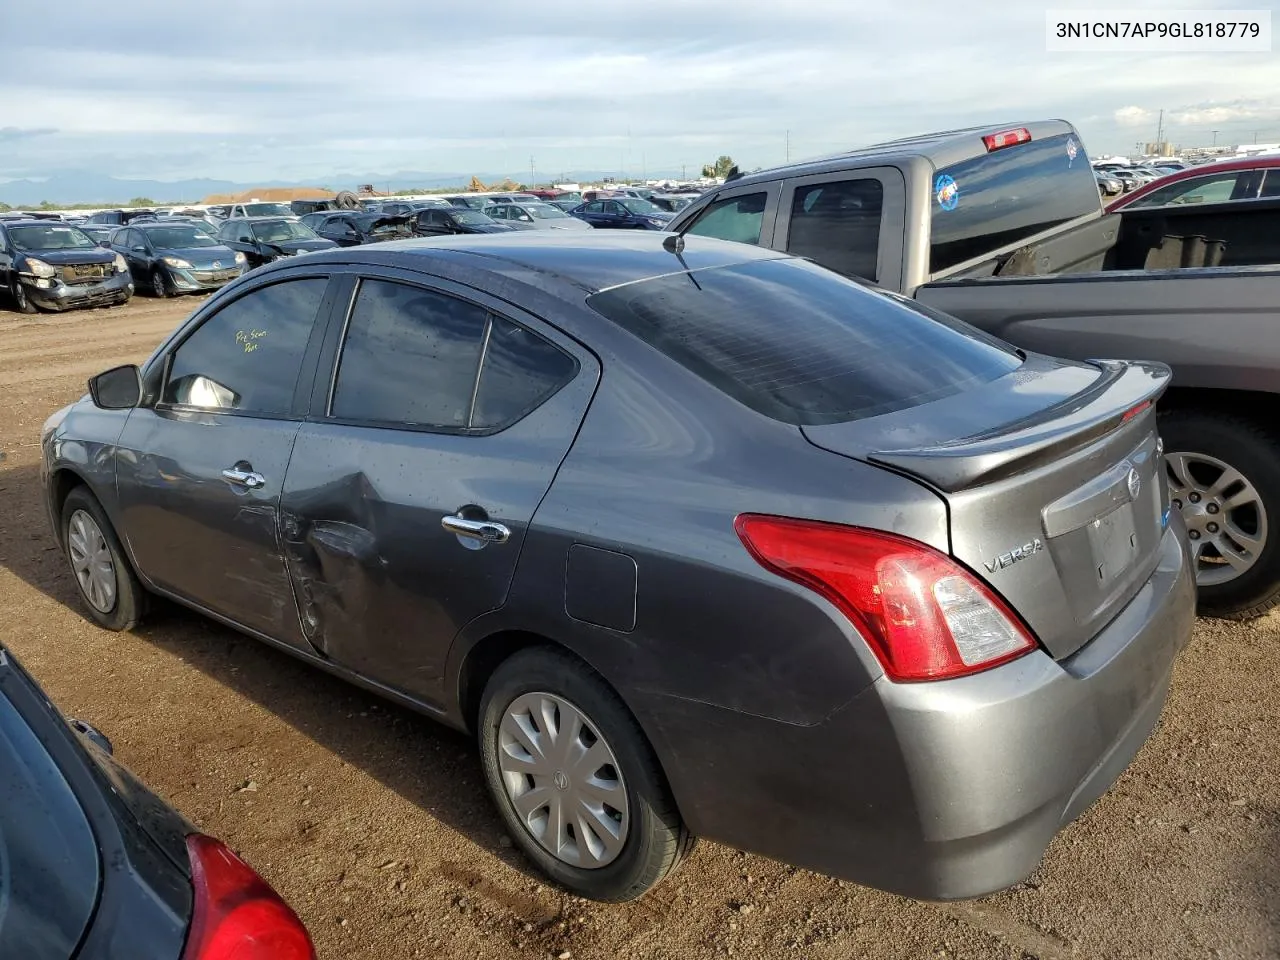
1134, 116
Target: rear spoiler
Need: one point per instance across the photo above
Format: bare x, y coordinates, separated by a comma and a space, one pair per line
1124, 391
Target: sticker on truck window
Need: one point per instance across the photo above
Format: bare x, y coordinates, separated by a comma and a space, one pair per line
1073, 149
946, 191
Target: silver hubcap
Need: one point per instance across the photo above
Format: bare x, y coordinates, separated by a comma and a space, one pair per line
1225, 518
563, 780
91, 561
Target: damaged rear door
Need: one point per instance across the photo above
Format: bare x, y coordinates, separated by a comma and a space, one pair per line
443, 420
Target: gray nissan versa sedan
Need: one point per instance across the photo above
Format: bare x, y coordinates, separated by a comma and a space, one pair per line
698, 539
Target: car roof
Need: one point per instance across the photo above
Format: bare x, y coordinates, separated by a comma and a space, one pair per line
559, 261
42, 222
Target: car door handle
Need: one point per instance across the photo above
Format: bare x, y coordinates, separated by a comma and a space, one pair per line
244, 478
485, 530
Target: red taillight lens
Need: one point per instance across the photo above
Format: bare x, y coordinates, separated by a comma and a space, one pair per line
237, 916
925, 616
1135, 411
1006, 138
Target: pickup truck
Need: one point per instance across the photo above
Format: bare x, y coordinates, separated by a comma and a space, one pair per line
1003, 227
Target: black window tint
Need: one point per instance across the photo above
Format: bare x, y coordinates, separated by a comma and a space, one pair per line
520, 371
1271, 185
996, 199
734, 218
838, 225
48, 856
410, 357
802, 344
247, 356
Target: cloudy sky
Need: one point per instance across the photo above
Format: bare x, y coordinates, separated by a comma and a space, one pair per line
276, 89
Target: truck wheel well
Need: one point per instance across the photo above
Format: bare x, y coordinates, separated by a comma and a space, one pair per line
1253, 404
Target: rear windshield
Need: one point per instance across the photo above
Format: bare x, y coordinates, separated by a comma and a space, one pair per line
990, 201
803, 345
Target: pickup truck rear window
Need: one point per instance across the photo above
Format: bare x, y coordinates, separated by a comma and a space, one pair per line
802, 344
992, 200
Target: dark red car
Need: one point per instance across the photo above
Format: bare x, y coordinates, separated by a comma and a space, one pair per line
1253, 178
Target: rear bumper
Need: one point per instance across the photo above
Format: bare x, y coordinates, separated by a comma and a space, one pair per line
938, 791
56, 295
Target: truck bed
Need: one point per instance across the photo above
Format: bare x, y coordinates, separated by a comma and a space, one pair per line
1217, 327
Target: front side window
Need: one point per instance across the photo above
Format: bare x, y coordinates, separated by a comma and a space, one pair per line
837, 224
247, 356
413, 357
734, 218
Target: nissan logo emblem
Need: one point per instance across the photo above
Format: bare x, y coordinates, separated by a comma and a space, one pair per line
1135, 484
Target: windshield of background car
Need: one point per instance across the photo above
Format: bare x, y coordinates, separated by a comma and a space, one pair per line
267, 210
996, 199
472, 218
386, 230
544, 211
281, 231
178, 238
802, 344
49, 238
642, 207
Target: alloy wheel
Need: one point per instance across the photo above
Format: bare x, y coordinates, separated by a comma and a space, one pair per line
563, 780
91, 561
1225, 517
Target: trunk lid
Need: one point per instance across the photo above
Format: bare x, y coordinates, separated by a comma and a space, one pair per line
1055, 492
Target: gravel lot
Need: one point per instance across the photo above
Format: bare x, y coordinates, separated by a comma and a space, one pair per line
373, 822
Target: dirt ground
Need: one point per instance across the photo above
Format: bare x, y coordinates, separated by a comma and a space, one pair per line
374, 824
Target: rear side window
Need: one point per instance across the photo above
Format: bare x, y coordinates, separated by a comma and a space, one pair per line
995, 199
734, 218
247, 356
802, 344
1271, 185
48, 856
1207, 189
837, 224
521, 369
414, 357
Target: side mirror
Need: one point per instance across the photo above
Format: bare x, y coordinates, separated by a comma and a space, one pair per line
119, 388
139, 249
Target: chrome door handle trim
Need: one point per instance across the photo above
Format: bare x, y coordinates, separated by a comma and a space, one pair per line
244, 478
485, 530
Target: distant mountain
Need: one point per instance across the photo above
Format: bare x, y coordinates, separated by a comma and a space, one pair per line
89, 187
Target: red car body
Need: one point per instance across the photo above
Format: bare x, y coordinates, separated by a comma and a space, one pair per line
1246, 165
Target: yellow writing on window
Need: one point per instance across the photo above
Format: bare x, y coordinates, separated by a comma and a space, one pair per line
249, 339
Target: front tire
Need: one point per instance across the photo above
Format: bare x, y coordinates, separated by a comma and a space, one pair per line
160, 283
575, 779
1224, 477
108, 587
19, 297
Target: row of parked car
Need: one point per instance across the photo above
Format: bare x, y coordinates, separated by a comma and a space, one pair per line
55, 264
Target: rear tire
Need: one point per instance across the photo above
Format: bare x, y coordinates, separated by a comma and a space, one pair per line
1231, 516
648, 841
19, 297
91, 546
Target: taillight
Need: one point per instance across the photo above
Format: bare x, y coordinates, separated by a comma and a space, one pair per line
925, 616
1006, 138
237, 916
